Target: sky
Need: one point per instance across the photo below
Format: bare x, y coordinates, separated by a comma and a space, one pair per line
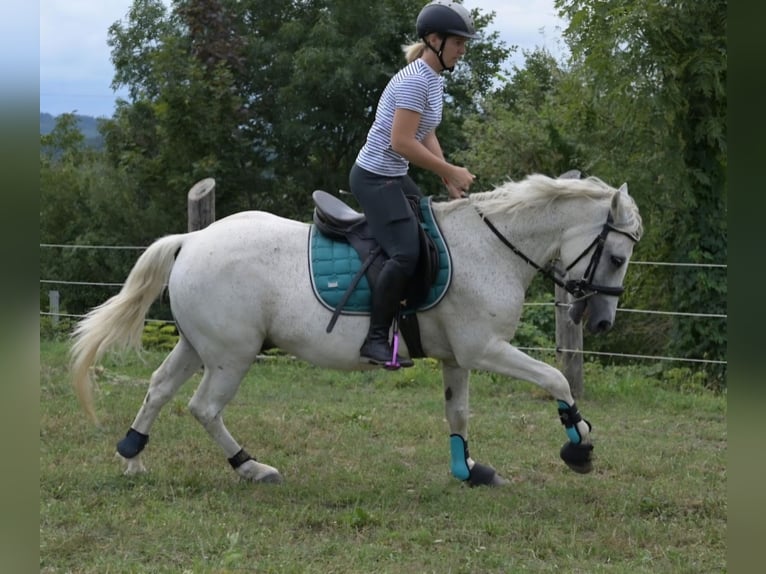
76, 72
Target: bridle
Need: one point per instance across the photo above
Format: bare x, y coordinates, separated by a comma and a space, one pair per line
578, 288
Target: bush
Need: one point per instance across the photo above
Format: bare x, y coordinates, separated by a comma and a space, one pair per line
537, 327
159, 335
51, 330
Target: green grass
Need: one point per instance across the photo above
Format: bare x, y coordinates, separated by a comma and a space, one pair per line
366, 462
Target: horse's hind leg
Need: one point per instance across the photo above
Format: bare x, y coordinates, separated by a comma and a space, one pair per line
182, 362
456, 410
219, 385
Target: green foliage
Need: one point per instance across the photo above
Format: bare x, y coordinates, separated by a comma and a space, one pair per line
537, 327
272, 99
518, 130
655, 75
87, 125
55, 330
86, 201
159, 336
641, 100
685, 379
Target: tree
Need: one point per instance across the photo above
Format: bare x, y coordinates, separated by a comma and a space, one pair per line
641, 100
83, 201
272, 98
184, 121
518, 126
656, 72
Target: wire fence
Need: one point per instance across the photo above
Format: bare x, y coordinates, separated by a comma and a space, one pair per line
720, 316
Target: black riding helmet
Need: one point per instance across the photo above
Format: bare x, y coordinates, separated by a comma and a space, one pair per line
446, 18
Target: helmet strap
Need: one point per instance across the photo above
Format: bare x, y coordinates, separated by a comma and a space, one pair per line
439, 53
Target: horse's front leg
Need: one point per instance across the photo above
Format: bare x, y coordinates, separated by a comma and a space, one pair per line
456, 408
506, 359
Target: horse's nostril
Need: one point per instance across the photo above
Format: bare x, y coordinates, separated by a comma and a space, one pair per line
604, 326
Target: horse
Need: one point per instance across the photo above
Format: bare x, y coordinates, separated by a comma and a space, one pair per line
241, 285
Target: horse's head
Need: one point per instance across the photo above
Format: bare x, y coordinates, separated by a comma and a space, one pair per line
596, 267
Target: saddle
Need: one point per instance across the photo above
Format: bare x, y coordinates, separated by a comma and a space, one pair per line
338, 221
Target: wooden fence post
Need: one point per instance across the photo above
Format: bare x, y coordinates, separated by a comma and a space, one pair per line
53, 306
201, 204
569, 336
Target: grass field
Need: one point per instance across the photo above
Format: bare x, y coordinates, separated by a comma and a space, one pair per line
367, 487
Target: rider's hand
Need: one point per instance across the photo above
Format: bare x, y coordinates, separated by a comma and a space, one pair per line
460, 179
453, 191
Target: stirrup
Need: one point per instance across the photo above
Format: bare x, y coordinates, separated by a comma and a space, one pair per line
396, 361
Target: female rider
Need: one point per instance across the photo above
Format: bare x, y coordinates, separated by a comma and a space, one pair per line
403, 132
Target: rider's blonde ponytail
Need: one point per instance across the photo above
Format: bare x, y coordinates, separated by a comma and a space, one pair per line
413, 51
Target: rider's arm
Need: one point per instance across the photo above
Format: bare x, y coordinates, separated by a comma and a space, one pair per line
432, 144
404, 143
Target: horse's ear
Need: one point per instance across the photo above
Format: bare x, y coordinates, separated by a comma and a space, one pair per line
620, 202
571, 174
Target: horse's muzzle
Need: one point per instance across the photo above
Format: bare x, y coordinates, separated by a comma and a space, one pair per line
577, 310
601, 327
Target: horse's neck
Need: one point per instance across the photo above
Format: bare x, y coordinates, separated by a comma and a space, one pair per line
537, 233
474, 247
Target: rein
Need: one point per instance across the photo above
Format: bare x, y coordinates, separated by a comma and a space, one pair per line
578, 288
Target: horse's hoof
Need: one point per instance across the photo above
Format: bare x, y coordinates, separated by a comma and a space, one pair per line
132, 466
577, 457
257, 472
270, 478
483, 475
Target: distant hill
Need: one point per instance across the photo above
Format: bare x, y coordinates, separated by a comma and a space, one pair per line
88, 126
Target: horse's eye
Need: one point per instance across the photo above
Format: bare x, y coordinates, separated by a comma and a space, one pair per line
617, 260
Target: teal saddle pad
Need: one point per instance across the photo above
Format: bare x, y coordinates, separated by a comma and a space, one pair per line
333, 264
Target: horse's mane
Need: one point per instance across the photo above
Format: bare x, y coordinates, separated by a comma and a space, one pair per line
537, 190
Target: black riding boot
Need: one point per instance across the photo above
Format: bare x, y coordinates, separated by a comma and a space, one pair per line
386, 298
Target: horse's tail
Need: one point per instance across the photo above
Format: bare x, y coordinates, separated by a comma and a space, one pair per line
119, 321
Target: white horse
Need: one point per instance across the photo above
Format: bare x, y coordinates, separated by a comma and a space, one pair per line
242, 284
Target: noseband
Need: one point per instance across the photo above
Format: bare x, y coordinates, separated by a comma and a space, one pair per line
578, 288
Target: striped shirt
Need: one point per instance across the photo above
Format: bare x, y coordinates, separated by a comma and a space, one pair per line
415, 87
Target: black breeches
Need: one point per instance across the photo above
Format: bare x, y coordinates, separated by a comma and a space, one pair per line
391, 219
